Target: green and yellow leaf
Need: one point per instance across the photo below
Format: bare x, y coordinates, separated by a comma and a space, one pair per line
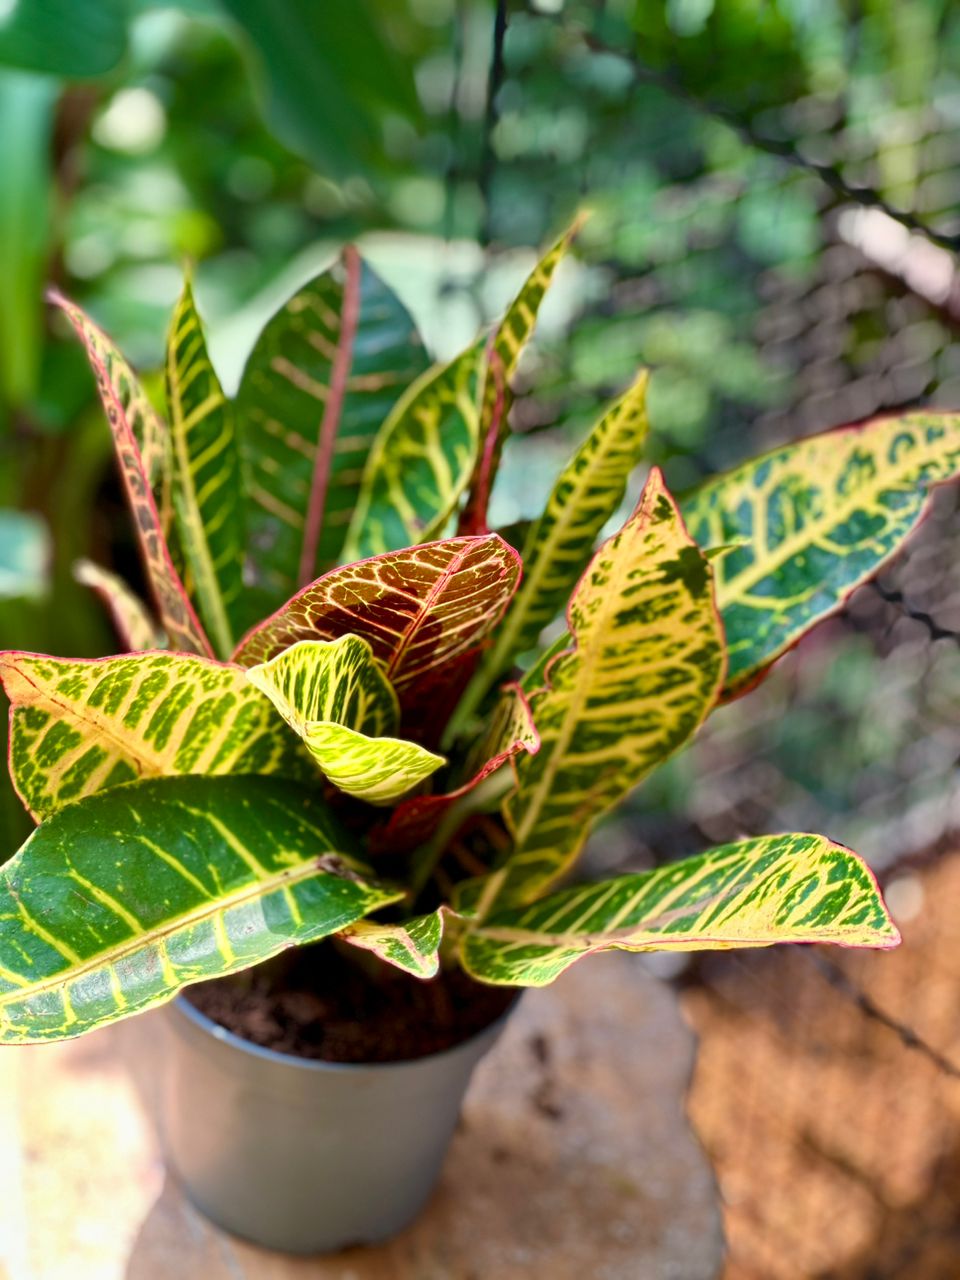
559, 544
142, 449
819, 517
207, 499
81, 726
645, 667
787, 888
334, 694
504, 352
130, 616
421, 609
421, 460
119, 901
413, 945
320, 381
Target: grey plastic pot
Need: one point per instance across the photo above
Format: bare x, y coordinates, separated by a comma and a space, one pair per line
307, 1156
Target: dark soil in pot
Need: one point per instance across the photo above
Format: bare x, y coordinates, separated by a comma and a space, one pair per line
318, 1003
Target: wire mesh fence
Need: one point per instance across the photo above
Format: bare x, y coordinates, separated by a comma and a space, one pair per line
788, 267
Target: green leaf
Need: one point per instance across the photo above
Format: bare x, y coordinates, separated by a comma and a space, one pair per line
788, 888
506, 348
421, 460
142, 448
206, 476
820, 517
559, 544
331, 83
130, 616
26, 230
645, 668
72, 38
116, 903
80, 726
334, 694
24, 555
413, 945
422, 609
321, 379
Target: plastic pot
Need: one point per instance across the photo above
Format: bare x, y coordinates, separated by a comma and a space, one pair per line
301, 1155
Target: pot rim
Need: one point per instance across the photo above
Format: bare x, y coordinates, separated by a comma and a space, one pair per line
229, 1038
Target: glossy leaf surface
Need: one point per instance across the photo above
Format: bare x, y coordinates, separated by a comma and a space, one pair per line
421, 460
420, 609
207, 499
81, 726
318, 385
142, 451
818, 518
509, 340
413, 946
335, 695
645, 667
559, 544
180, 879
786, 888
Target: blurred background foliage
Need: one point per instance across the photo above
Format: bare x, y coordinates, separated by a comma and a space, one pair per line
774, 196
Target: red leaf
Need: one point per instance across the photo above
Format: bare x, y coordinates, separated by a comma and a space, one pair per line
421, 609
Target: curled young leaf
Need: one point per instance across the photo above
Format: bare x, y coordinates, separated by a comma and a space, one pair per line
335, 695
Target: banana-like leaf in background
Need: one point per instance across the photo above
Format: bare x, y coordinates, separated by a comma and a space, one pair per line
207, 498
510, 338
421, 460
421, 609
317, 387
334, 694
646, 667
131, 617
818, 517
84, 725
559, 544
784, 888
142, 449
180, 879
413, 946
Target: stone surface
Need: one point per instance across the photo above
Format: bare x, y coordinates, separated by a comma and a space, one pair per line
573, 1159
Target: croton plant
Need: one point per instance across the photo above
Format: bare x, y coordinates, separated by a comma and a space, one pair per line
345, 719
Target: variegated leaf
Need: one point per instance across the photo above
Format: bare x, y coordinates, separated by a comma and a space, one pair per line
318, 385
645, 668
510, 731
559, 544
131, 618
421, 460
335, 695
80, 726
413, 945
207, 498
509, 340
789, 888
141, 446
421, 609
819, 518
117, 902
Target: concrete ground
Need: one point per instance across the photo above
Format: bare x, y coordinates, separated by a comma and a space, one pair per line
573, 1161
